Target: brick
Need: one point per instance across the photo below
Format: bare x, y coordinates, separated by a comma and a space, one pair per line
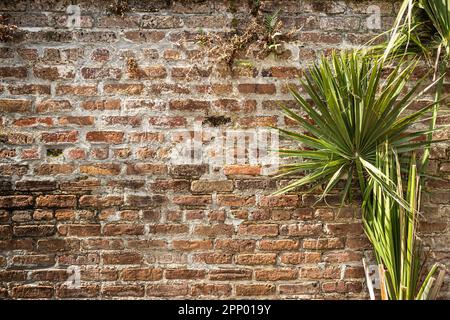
132, 121
174, 185
100, 55
99, 244
51, 106
122, 258
76, 90
324, 214
96, 36
60, 137
301, 230
189, 170
324, 243
275, 274
12, 170
189, 105
279, 201
255, 289
213, 258
54, 169
279, 245
102, 169
144, 36
167, 122
256, 259
29, 154
15, 201
338, 229
81, 259
148, 73
184, 274
122, 88
213, 231
231, 105
112, 137
137, 201
282, 72
214, 290
18, 138
235, 245
100, 201
232, 200
192, 200
141, 137
300, 257
12, 275
141, 274
57, 245
320, 273
123, 229
50, 275
34, 89
161, 22
166, 290
260, 230
75, 120
309, 287
128, 290
83, 291
12, 105
13, 72
101, 105
32, 122
147, 244
56, 201
146, 169
96, 274
33, 261
208, 186
7, 153
5, 232
18, 244
230, 274
238, 170
169, 229
190, 245
32, 292
102, 73
53, 73
257, 88
79, 230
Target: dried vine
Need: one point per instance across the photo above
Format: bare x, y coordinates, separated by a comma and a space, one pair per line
261, 36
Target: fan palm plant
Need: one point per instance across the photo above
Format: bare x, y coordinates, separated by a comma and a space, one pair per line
353, 110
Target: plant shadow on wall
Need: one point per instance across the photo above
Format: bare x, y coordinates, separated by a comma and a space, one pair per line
359, 127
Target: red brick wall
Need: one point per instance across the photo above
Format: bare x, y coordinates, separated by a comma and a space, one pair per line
87, 184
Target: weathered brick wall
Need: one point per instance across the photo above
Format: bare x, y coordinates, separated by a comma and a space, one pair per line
86, 178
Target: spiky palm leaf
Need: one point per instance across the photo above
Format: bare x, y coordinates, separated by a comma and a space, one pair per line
392, 230
421, 30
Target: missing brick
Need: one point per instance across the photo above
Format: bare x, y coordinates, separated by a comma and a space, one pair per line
216, 121
54, 152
